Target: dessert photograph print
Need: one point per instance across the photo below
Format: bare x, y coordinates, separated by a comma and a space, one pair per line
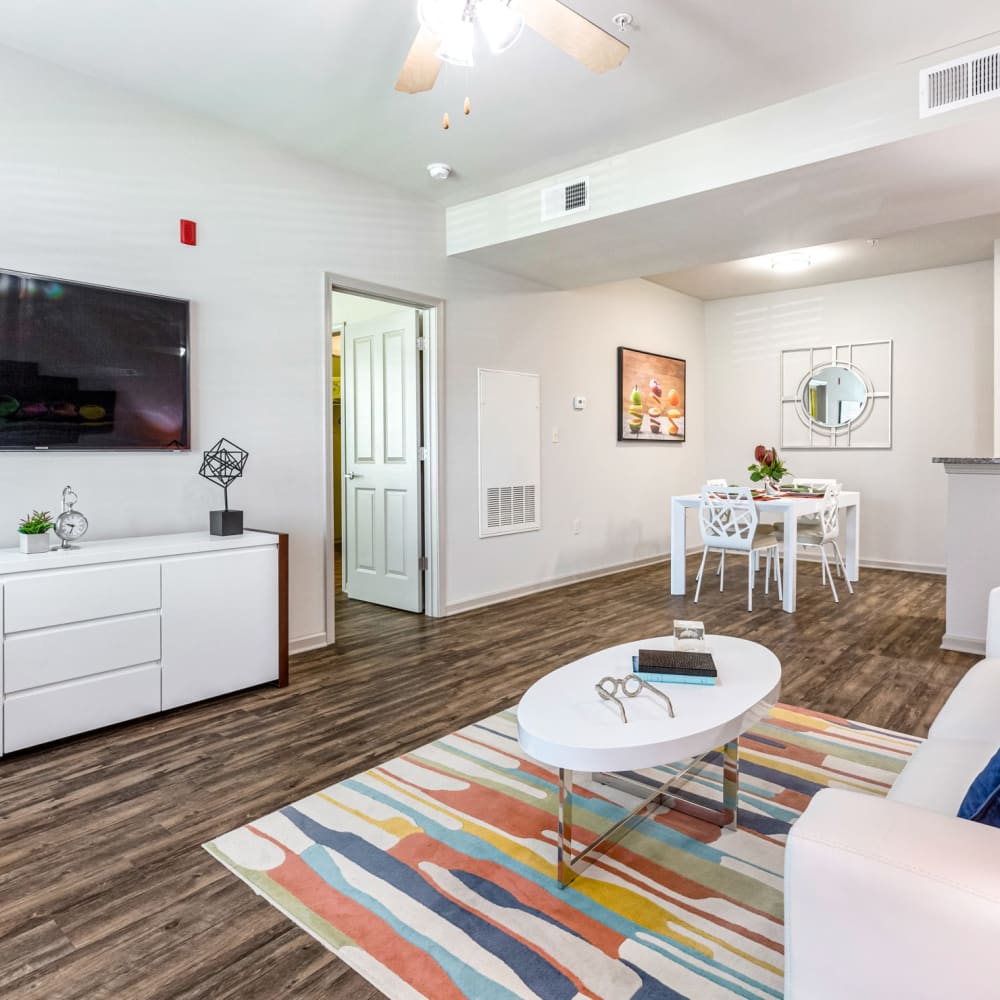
651, 396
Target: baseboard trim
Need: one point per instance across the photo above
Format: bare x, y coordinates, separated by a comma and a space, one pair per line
889, 564
500, 596
903, 567
963, 644
307, 642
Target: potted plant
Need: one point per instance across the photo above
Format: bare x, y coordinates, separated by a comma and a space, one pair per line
767, 467
34, 532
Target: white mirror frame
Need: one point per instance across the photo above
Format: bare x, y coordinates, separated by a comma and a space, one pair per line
799, 365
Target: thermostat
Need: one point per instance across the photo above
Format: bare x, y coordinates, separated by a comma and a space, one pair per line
579, 402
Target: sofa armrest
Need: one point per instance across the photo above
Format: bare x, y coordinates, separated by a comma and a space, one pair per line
993, 623
884, 899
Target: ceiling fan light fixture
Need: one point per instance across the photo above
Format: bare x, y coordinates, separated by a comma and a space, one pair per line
437, 16
790, 263
500, 25
457, 43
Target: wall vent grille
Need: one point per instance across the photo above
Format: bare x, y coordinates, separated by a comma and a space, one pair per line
960, 82
510, 506
565, 199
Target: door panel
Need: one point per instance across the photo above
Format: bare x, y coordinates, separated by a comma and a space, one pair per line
394, 411
364, 531
362, 400
382, 547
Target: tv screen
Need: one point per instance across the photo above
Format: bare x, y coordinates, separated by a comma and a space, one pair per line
92, 368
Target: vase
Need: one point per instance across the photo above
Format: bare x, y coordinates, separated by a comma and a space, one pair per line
34, 543
772, 488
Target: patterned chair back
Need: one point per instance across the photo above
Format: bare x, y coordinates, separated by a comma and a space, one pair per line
728, 518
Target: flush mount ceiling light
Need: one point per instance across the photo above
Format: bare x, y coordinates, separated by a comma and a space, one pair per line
790, 263
448, 31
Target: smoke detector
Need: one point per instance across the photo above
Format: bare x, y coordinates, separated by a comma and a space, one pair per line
439, 171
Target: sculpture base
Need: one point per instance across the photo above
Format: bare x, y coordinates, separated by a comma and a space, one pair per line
226, 522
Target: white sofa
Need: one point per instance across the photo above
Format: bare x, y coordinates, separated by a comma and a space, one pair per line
897, 897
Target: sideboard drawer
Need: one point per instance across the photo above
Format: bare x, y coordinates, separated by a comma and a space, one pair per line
49, 656
34, 717
62, 597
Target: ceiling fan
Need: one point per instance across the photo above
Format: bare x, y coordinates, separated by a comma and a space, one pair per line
448, 34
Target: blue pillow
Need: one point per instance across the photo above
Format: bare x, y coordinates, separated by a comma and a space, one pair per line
982, 801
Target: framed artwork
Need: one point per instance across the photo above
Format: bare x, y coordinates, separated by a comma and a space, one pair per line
651, 396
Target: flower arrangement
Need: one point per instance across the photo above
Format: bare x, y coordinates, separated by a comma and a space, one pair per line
767, 466
36, 523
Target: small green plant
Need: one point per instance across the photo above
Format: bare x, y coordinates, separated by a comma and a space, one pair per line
37, 523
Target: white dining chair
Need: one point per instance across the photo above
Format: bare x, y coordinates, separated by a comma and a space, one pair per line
730, 523
716, 484
824, 531
808, 520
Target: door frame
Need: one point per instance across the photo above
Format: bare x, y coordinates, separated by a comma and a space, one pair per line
432, 420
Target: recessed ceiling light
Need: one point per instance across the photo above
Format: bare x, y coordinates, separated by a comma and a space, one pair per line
789, 263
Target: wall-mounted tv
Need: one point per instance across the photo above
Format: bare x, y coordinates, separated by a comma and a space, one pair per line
86, 367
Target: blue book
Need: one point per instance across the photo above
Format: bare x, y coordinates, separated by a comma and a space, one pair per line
673, 678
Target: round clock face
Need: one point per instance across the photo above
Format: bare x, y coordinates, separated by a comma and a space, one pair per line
72, 524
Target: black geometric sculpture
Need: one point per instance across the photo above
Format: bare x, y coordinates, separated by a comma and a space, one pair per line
223, 464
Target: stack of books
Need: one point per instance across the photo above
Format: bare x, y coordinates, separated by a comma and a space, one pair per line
668, 666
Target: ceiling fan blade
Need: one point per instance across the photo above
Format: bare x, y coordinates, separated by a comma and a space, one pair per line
573, 33
420, 71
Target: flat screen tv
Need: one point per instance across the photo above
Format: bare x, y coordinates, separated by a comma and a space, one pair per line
85, 367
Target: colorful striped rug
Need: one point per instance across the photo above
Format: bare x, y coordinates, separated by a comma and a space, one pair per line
433, 875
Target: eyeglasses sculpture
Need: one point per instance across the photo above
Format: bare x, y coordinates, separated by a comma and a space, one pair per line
631, 687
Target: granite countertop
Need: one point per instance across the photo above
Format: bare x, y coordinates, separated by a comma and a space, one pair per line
967, 461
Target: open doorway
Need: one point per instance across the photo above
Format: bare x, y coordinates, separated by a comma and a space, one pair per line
383, 503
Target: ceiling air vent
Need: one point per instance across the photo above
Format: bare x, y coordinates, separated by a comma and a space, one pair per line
565, 199
960, 82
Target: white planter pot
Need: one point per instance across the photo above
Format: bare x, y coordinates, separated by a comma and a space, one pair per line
35, 543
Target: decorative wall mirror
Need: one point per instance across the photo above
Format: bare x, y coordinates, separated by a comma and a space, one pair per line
837, 397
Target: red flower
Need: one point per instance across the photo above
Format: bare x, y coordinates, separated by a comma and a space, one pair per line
768, 458
759, 452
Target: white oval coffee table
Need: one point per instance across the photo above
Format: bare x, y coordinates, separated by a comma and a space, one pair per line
562, 722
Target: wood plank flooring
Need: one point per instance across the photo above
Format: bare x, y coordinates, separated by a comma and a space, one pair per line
105, 892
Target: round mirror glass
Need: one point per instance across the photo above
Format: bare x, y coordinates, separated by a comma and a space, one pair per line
834, 396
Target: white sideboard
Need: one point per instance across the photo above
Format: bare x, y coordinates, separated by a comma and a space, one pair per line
114, 630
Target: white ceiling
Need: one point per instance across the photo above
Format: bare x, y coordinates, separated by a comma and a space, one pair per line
942, 245
317, 76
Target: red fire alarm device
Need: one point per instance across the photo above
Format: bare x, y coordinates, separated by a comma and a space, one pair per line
189, 232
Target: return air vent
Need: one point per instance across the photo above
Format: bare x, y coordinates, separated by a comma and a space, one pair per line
960, 82
509, 452
565, 199
510, 506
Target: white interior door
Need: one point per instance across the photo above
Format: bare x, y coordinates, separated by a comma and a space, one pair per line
381, 428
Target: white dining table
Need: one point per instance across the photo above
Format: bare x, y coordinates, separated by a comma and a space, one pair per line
790, 509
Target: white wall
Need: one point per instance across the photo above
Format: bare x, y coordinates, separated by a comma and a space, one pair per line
996, 350
941, 324
92, 183
620, 491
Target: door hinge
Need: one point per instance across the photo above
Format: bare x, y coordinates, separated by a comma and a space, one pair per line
422, 454
421, 343
422, 563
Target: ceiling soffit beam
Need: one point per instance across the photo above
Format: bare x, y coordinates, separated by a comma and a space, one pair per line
846, 118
